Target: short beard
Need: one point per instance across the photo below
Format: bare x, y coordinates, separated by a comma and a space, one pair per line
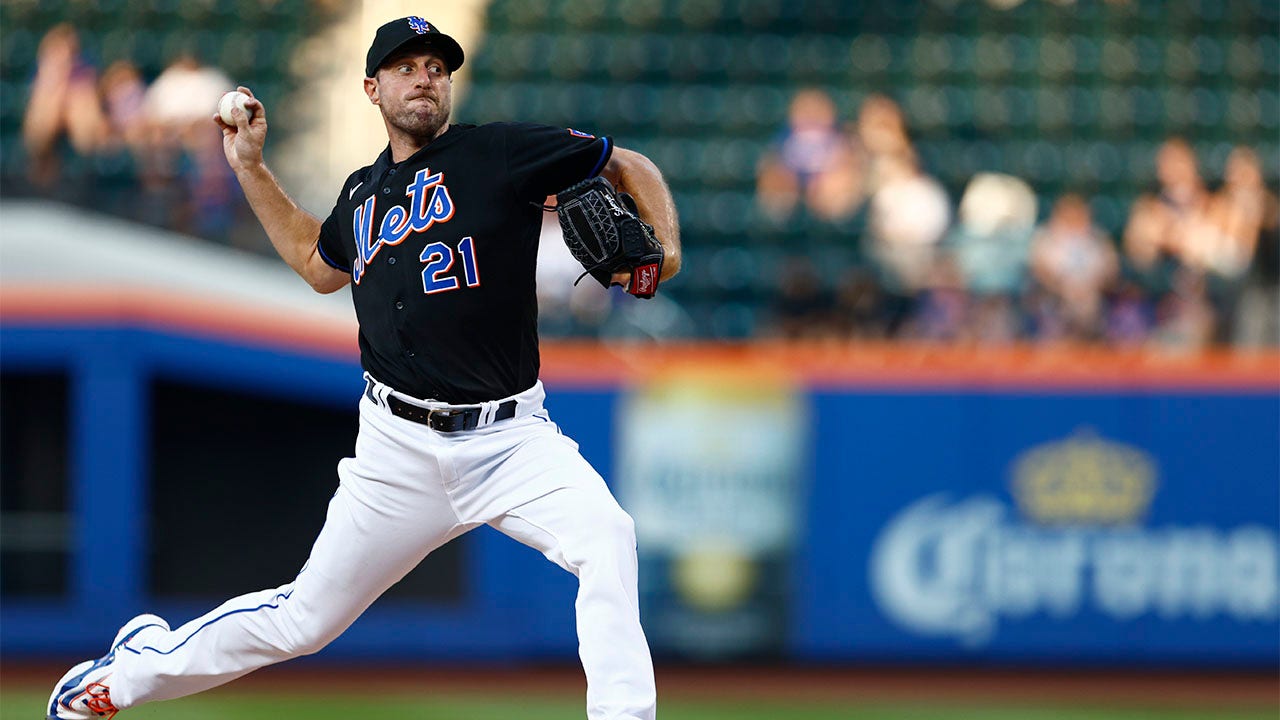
418, 126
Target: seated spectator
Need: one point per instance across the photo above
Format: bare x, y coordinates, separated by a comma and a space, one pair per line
187, 172
1244, 215
1161, 225
989, 245
1253, 216
810, 163
880, 136
908, 216
123, 93
1237, 213
1074, 263
992, 236
63, 105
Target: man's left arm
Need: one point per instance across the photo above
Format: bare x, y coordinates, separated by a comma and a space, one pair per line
630, 172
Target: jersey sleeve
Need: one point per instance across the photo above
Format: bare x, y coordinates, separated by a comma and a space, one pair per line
331, 246
543, 160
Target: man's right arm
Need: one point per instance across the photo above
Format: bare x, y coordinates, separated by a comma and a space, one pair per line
294, 232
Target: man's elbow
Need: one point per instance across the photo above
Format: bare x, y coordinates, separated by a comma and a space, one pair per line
328, 288
326, 283
671, 263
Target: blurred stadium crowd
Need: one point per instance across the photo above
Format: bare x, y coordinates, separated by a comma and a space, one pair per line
951, 171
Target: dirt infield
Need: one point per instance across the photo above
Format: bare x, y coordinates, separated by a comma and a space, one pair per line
1113, 688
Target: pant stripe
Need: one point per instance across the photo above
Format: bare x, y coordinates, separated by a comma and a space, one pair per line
274, 604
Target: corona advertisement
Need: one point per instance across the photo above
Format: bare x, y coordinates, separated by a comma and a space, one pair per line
1089, 528
1077, 542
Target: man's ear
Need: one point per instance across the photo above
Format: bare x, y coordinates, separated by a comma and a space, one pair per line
371, 89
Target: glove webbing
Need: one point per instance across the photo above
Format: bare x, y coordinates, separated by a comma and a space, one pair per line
598, 266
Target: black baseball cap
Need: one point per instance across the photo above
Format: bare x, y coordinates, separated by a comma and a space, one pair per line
413, 29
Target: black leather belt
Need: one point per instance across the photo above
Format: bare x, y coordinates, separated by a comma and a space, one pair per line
447, 420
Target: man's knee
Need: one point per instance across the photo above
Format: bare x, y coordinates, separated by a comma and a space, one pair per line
312, 626
615, 533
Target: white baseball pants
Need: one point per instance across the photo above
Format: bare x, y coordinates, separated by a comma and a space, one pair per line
409, 490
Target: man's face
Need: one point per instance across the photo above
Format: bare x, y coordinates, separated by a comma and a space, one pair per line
414, 90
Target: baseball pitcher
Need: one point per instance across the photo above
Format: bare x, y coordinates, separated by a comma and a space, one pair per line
437, 239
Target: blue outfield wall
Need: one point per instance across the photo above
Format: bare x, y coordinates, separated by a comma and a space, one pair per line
1094, 527
944, 525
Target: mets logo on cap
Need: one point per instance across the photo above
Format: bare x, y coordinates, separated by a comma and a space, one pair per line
420, 26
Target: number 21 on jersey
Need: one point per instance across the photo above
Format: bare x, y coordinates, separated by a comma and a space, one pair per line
439, 259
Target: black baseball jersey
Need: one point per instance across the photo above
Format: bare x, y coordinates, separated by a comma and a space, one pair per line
442, 251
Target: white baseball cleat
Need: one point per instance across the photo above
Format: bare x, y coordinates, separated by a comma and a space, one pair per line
84, 693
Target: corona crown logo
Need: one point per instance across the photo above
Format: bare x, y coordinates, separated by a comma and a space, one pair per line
1084, 479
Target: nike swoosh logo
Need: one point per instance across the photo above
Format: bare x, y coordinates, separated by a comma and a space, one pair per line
353, 190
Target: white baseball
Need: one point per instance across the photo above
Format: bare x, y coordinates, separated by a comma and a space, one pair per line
233, 99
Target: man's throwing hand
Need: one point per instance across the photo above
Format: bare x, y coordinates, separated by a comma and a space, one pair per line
242, 140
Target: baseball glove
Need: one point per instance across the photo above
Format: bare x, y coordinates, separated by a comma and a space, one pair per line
604, 232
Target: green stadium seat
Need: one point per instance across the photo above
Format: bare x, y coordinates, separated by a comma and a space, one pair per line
13, 157
1115, 110
930, 55
1269, 50
14, 100
1209, 110
1119, 59
636, 15
1210, 55
1038, 161
809, 60
869, 56
1088, 55
764, 57
1110, 212
733, 321
698, 14
729, 213
522, 14
507, 53
1243, 61
629, 59
926, 107
701, 58
585, 15
680, 161
733, 270
583, 101
993, 57
1269, 103
17, 54
570, 57
634, 106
